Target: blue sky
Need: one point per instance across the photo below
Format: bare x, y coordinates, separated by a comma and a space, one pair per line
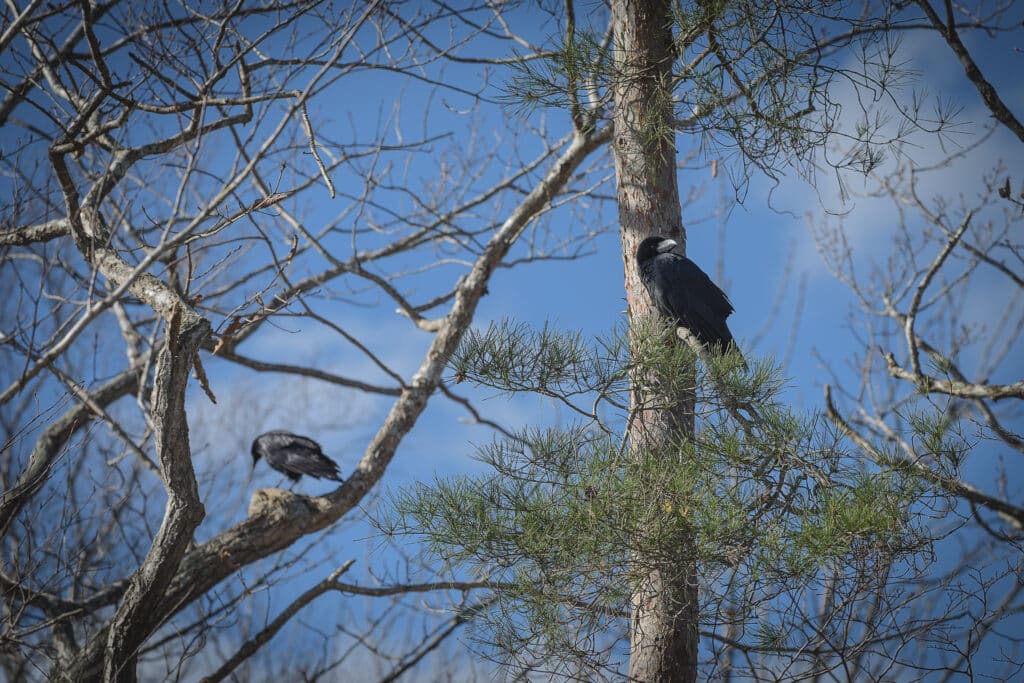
745, 247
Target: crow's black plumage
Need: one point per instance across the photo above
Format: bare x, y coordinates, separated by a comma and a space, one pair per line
293, 455
684, 292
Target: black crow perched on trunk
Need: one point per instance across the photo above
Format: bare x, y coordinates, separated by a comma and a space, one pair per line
684, 292
293, 455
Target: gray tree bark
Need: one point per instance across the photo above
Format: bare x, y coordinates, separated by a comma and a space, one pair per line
663, 628
135, 618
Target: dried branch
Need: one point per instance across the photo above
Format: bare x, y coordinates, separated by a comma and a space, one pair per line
461, 617
313, 150
54, 439
988, 92
915, 302
954, 387
305, 371
251, 646
32, 234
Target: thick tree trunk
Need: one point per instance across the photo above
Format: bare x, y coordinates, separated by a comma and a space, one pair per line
663, 629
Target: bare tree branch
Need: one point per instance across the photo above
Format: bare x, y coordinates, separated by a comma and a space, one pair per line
30, 234
135, 619
55, 438
988, 92
954, 387
256, 642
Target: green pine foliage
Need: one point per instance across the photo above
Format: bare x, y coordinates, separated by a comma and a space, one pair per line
580, 70
767, 499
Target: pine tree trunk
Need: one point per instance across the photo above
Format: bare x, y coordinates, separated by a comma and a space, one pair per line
663, 629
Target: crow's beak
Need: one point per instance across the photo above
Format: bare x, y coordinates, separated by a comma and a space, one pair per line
666, 245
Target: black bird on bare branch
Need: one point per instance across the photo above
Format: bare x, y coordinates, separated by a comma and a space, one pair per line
293, 455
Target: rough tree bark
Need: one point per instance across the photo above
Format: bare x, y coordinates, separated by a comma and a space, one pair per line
663, 628
135, 619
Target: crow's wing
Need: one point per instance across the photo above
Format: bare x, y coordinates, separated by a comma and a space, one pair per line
279, 438
680, 289
296, 455
314, 464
